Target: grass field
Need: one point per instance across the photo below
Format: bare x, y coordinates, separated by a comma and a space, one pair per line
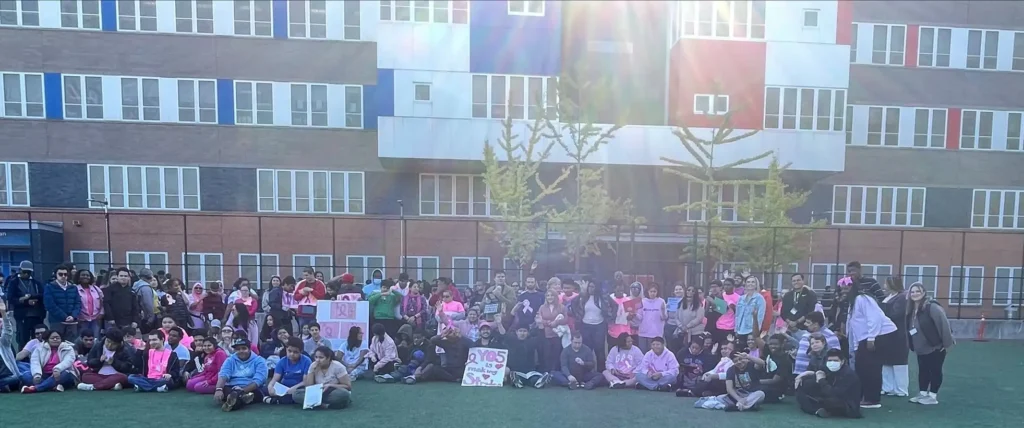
982, 389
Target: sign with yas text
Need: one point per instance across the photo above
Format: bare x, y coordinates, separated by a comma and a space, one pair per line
485, 367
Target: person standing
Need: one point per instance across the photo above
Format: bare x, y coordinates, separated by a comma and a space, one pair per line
930, 339
866, 322
148, 303
26, 295
63, 304
589, 309
798, 302
750, 309
120, 306
90, 318
894, 347
653, 313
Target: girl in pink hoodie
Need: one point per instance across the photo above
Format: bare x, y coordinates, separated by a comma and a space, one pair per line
205, 381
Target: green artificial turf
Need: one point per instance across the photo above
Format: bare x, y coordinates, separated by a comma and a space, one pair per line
982, 389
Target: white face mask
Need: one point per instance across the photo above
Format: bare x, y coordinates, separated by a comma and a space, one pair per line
833, 366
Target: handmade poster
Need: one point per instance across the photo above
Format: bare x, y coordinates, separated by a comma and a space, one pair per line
337, 317
485, 367
350, 297
314, 396
631, 305
491, 309
673, 303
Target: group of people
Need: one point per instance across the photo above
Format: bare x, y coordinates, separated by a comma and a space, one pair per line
731, 348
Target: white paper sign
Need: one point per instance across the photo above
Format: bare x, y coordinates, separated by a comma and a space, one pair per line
485, 367
314, 395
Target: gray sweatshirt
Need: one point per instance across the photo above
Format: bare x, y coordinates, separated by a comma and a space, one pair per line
145, 295
569, 360
920, 342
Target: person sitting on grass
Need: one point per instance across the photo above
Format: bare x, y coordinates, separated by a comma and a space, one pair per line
578, 366
419, 353
84, 344
815, 358
659, 368
488, 338
241, 375
352, 354
10, 374
522, 359
274, 349
38, 334
833, 392
204, 381
315, 340
691, 366
158, 366
52, 366
776, 369
332, 376
712, 383
289, 372
109, 362
453, 366
814, 322
383, 353
622, 360
175, 343
743, 385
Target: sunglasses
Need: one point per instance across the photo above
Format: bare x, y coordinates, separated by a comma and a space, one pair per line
62, 274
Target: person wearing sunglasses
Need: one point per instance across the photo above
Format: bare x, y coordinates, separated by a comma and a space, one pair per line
63, 304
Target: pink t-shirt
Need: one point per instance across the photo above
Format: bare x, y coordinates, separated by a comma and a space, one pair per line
728, 320
651, 324
621, 324
54, 360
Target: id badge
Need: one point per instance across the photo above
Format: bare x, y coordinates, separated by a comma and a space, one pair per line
913, 331
793, 311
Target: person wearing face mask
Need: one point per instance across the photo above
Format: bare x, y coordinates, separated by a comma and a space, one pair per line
376, 280
63, 304
90, 318
109, 362
26, 297
835, 392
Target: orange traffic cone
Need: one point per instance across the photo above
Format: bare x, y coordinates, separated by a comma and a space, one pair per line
981, 330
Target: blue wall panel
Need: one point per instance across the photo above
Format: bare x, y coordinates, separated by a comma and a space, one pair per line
280, 15
514, 44
379, 99
108, 15
54, 90
225, 101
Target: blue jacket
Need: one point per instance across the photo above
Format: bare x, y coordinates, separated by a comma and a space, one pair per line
16, 288
61, 302
241, 373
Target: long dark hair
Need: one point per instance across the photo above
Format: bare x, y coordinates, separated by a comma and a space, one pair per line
353, 338
241, 319
268, 332
695, 302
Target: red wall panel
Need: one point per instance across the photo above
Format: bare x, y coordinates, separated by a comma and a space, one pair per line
844, 22
910, 57
728, 67
953, 129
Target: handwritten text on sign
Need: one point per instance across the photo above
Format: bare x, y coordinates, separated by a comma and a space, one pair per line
485, 367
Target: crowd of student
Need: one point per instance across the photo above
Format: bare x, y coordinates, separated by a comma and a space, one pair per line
734, 348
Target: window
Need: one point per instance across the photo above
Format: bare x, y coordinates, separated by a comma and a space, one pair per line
811, 18
702, 104
193, 16
998, 209
976, 130
422, 268
1006, 290
310, 191
741, 19
982, 47
883, 126
22, 95
783, 277
94, 261
353, 106
804, 109
136, 15
307, 19
145, 187
531, 8
513, 271
825, 275
197, 101
454, 195
442, 12
933, 47
19, 12
202, 267
1014, 132
1018, 52
966, 285
518, 97
853, 44
878, 206
83, 94
421, 91
928, 276
930, 127
254, 18
879, 272
849, 124
319, 262
138, 260
351, 20
362, 267
253, 103
136, 91
467, 270
730, 198
14, 184
309, 105
258, 268
83, 14
888, 45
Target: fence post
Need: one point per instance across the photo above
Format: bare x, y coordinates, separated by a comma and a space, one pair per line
184, 260
476, 257
617, 231
632, 248
259, 257
547, 242
693, 251
963, 255
31, 242
1020, 283
334, 247
899, 271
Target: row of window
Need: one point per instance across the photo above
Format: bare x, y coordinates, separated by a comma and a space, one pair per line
731, 200
437, 11
259, 268
878, 206
930, 128
197, 100
740, 19
516, 97
966, 283
941, 47
804, 108
307, 19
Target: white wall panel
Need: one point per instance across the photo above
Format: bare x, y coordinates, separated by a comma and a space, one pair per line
49, 14
807, 65
463, 139
111, 97
223, 18
907, 121
168, 100
450, 94
282, 104
369, 20
859, 137
336, 106
864, 38
784, 21
958, 48
1000, 123
423, 46
1004, 59
165, 16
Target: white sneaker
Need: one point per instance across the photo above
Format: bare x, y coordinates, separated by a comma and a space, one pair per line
118, 387
161, 388
928, 401
60, 388
918, 398
86, 387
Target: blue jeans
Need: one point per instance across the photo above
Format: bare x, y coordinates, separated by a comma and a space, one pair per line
651, 384
49, 382
146, 384
24, 368
11, 381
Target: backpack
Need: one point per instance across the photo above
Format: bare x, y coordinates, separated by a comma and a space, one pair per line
156, 300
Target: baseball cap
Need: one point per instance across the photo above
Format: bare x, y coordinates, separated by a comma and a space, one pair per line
241, 342
347, 278
25, 265
146, 274
215, 323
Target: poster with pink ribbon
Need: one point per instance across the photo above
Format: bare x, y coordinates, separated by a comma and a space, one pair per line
337, 319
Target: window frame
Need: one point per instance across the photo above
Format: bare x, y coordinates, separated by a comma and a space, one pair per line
919, 276
473, 269
22, 93
889, 51
307, 21
451, 11
983, 55
328, 187
979, 116
526, 4
137, 17
193, 17
997, 219
964, 299
203, 266
1012, 296
936, 51
20, 13
91, 264
712, 100
197, 109
1018, 139
817, 19
309, 113
884, 132
845, 216
832, 274
346, 25
297, 268
416, 93
471, 202
8, 191
148, 263
1017, 58
689, 16
80, 15
836, 113
254, 99
83, 96
260, 276
250, 20
367, 269
930, 135
141, 108
418, 268
145, 195
548, 108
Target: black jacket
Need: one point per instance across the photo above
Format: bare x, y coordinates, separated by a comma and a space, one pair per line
178, 310
522, 354
804, 304
120, 305
173, 365
894, 347
842, 387
123, 360
16, 288
456, 351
